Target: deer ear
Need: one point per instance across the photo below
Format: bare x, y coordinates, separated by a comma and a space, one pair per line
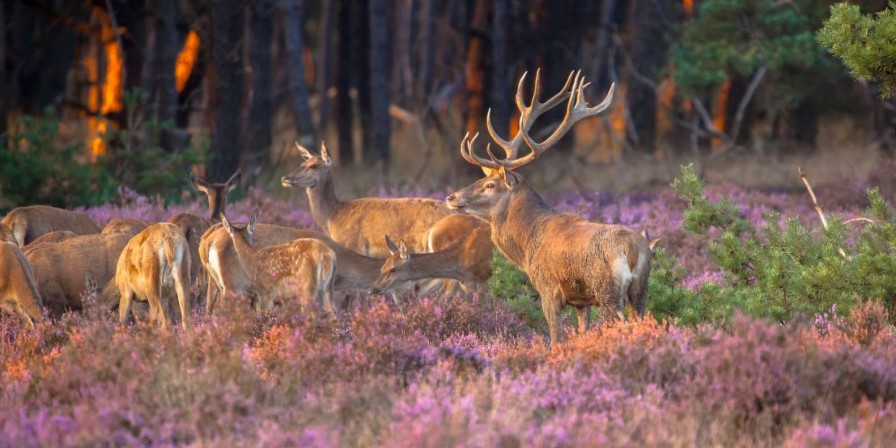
198, 182
227, 225
252, 221
392, 248
234, 180
402, 250
304, 152
509, 177
324, 154
652, 244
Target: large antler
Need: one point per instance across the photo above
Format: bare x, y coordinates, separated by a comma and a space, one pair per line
576, 109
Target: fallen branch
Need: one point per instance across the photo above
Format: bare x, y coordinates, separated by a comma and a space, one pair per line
824, 221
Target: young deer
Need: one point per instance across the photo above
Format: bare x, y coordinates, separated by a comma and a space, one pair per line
462, 261
127, 226
18, 291
29, 223
302, 269
155, 263
569, 260
56, 236
59, 268
360, 224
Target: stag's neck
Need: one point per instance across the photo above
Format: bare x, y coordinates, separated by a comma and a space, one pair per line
517, 227
356, 271
324, 203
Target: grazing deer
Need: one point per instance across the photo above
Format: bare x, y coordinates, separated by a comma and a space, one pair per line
193, 227
18, 290
56, 236
29, 223
360, 224
154, 264
127, 226
468, 261
6, 234
302, 268
569, 260
59, 268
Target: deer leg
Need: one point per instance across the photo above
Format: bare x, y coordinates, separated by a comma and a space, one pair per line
183, 299
583, 314
550, 305
621, 284
211, 295
124, 304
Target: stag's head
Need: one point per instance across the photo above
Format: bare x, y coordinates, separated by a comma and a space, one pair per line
501, 180
217, 193
246, 233
313, 171
394, 267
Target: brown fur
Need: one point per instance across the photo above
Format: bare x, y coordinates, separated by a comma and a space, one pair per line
60, 268
29, 223
127, 226
461, 249
18, 289
569, 260
154, 264
302, 268
6, 234
228, 278
56, 236
360, 224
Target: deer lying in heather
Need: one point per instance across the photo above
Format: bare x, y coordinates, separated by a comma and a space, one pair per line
18, 290
360, 224
569, 260
300, 269
127, 226
468, 261
154, 264
29, 223
228, 278
60, 268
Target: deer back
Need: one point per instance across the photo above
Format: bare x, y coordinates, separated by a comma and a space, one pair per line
127, 226
56, 236
29, 223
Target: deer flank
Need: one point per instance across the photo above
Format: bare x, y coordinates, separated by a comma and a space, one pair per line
29, 223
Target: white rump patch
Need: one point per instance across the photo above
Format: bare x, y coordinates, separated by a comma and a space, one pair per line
214, 262
623, 277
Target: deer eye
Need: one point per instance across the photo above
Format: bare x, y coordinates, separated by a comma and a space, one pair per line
392, 271
489, 185
313, 167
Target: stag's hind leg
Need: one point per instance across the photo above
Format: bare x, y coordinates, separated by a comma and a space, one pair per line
583, 315
622, 280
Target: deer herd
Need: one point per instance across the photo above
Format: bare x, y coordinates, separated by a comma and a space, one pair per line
52, 260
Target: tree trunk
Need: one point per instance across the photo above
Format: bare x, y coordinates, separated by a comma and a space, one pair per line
165, 97
261, 108
324, 64
402, 79
361, 69
292, 35
379, 81
649, 59
428, 48
226, 87
500, 93
344, 71
602, 43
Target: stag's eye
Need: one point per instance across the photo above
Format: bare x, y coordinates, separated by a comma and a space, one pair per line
313, 167
392, 271
489, 185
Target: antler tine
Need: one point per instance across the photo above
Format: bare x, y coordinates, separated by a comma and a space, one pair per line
466, 151
511, 148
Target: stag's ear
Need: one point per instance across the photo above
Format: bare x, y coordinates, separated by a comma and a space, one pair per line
325, 155
234, 180
198, 182
304, 152
511, 179
252, 221
652, 244
402, 250
389, 244
227, 225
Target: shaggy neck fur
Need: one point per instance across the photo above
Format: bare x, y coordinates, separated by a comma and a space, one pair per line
517, 224
323, 201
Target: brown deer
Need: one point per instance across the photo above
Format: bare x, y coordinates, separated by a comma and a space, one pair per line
127, 226
193, 227
228, 278
29, 223
569, 260
6, 234
360, 224
302, 268
60, 268
56, 236
18, 290
154, 264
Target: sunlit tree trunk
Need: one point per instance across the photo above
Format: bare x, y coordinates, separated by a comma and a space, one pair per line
226, 86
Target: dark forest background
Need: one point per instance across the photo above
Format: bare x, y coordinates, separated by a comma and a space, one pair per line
141, 92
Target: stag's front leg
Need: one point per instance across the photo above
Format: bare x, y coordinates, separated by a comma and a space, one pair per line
550, 305
583, 314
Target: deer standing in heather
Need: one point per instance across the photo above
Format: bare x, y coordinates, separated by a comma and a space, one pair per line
29, 223
569, 260
18, 290
360, 224
155, 263
301, 269
468, 261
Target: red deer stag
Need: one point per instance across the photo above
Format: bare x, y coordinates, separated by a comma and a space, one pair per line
29, 223
569, 260
300, 269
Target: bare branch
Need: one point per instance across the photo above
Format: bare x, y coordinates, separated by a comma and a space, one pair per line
824, 221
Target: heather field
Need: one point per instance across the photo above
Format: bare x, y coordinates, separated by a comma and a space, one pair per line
471, 371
